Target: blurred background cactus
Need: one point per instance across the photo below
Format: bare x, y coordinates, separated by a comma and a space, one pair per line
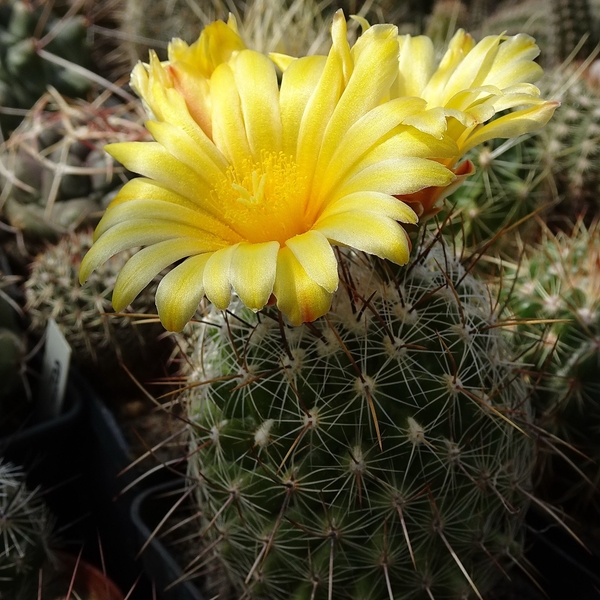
25, 534
98, 337
26, 27
555, 294
56, 173
378, 452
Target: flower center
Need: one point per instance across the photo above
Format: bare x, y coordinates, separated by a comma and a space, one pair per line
264, 201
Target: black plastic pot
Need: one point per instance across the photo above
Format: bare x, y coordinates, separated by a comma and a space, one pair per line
146, 512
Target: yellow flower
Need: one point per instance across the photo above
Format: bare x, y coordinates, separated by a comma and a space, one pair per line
472, 84
250, 182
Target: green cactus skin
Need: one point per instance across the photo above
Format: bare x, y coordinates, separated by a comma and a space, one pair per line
559, 279
24, 75
511, 182
299, 500
83, 312
570, 145
25, 531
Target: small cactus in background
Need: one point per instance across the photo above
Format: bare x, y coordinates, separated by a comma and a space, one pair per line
25, 27
511, 181
570, 145
559, 279
575, 33
375, 453
83, 313
25, 532
60, 176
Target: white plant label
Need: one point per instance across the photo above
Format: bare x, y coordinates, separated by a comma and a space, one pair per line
55, 371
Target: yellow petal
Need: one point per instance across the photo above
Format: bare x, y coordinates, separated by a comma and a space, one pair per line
319, 108
314, 252
460, 45
473, 69
152, 160
372, 202
140, 232
514, 62
217, 285
140, 187
513, 124
144, 266
432, 122
229, 131
180, 292
160, 211
252, 272
297, 85
416, 60
299, 297
185, 149
256, 81
339, 39
282, 61
371, 233
365, 90
403, 175
362, 136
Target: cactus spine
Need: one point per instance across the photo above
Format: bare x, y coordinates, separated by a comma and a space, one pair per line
83, 312
25, 531
559, 279
374, 453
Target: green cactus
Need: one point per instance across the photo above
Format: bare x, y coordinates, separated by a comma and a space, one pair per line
570, 145
83, 313
375, 453
511, 181
24, 74
60, 176
558, 283
25, 531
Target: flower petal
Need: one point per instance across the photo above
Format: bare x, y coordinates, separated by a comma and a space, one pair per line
297, 85
252, 272
372, 202
152, 160
178, 143
513, 124
147, 189
299, 297
160, 211
314, 252
141, 232
180, 292
371, 233
416, 65
397, 176
144, 266
365, 90
256, 81
217, 285
229, 131
362, 136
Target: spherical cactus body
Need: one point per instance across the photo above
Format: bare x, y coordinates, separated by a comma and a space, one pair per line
555, 295
25, 532
83, 313
375, 453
